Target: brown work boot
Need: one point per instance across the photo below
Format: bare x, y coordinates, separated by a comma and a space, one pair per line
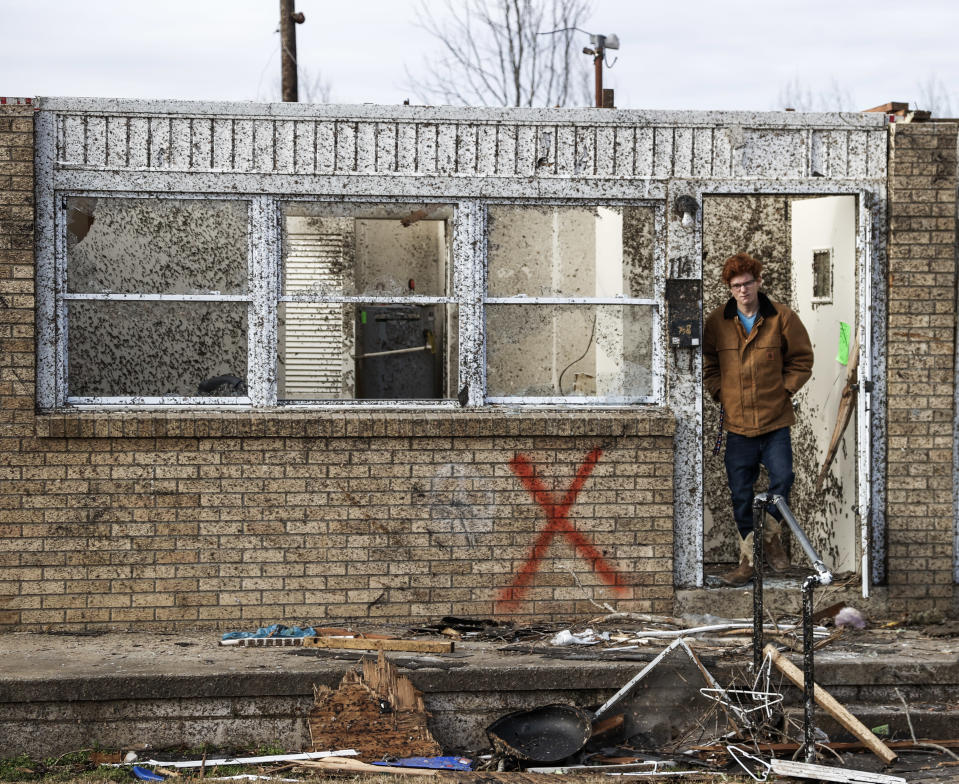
743, 573
773, 546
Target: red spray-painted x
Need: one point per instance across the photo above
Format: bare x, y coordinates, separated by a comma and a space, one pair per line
557, 514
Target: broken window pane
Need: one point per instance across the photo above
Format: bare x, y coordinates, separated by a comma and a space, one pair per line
157, 246
402, 348
569, 350
571, 251
118, 349
375, 250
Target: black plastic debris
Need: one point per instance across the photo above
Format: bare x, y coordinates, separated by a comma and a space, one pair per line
546, 734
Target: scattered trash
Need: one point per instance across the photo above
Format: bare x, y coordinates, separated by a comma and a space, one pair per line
850, 616
585, 637
546, 734
381, 644
436, 763
375, 710
277, 630
131, 756
347, 765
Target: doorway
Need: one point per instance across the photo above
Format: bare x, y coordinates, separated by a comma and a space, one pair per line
808, 249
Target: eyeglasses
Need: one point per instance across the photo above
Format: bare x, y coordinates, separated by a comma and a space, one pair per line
742, 286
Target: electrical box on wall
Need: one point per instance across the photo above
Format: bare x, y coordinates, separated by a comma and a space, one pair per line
684, 301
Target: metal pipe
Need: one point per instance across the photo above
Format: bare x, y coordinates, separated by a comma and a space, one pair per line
393, 351
809, 683
760, 502
822, 577
822, 573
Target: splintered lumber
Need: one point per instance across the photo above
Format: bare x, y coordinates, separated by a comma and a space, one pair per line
805, 770
375, 711
369, 644
829, 704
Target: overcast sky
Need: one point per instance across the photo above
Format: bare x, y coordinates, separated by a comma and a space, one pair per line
675, 54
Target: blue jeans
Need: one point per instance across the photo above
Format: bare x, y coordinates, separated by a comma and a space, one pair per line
744, 454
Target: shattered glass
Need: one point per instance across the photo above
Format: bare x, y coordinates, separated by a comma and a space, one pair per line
365, 250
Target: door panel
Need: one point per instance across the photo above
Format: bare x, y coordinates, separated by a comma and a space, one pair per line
823, 239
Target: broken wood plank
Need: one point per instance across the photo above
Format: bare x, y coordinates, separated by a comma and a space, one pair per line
805, 770
358, 644
355, 766
829, 704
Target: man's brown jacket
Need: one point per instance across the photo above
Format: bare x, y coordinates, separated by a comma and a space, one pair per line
755, 376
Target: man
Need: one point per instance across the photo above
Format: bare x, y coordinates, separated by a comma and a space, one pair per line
756, 356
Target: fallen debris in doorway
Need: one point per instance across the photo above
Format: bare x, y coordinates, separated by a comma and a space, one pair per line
829, 704
377, 711
546, 734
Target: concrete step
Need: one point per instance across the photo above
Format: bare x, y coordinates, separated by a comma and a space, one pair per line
60, 693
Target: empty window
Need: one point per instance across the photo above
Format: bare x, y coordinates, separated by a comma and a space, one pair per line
363, 307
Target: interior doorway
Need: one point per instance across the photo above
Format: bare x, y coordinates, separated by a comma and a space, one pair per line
808, 249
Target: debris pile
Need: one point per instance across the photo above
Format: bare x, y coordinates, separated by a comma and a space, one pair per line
376, 711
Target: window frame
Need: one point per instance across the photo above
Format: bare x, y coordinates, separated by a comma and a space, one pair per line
468, 225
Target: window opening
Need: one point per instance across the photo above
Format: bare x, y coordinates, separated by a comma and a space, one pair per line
363, 312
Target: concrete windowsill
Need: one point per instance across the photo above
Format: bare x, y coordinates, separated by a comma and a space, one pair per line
633, 421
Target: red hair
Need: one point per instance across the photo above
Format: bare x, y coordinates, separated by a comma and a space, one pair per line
741, 264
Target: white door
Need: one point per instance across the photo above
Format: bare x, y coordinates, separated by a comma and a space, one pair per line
824, 274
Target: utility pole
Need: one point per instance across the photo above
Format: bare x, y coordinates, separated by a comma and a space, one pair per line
599, 44
599, 53
288, 21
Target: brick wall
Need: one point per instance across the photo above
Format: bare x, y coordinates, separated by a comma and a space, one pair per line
238, 520
920, 374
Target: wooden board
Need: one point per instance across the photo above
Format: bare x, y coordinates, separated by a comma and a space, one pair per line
348, 765
366, 644
804, 770
829, 704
